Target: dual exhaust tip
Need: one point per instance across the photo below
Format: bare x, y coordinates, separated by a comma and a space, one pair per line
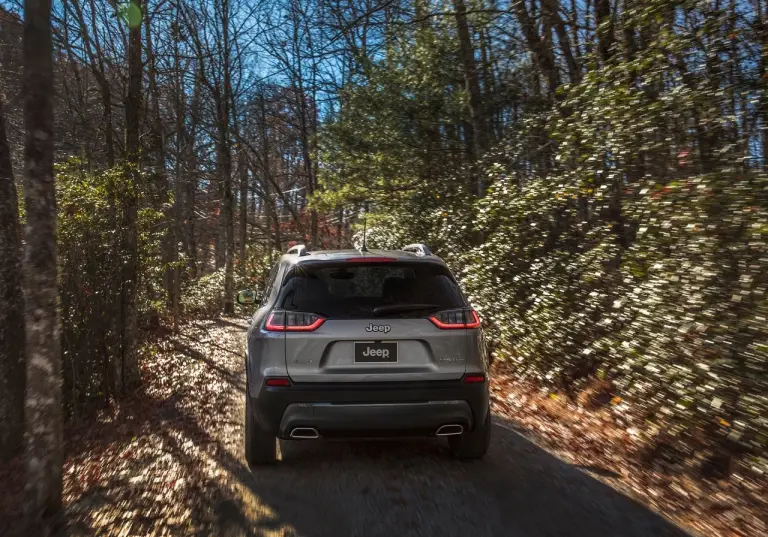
304, 433
310, 433
450, 430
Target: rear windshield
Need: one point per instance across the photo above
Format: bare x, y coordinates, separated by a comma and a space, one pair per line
349, 291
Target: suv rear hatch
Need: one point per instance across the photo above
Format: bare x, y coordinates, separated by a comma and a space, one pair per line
372, 320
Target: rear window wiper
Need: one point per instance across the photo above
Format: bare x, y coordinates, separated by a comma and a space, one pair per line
401, 308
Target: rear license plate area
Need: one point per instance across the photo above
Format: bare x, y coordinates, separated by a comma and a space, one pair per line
372, 352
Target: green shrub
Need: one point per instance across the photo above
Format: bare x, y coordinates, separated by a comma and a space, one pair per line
205, 295
89, 205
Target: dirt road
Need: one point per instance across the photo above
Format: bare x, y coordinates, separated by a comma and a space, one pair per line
171, 463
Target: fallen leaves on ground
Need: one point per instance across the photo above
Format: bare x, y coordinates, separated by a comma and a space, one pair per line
591, 439
159, 461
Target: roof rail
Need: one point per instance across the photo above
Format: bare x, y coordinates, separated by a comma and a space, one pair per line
418, 249
299, 250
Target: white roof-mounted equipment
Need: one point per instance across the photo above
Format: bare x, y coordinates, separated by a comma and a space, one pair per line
419, 249
299, 250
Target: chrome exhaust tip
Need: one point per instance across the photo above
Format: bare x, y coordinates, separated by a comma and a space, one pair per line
450, 430
304, 433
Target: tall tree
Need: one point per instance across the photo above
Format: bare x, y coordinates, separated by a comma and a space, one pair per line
762, 26
539, 46
127, 371
43, 410
97, 64
243, 222
267, 174
605, 36
477, 136
12, 373
169, 250
551, 10
225, 157
179, 180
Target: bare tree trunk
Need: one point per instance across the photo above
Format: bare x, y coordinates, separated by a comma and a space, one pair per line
551, 10
574, 24
589, 46
549, 44
490, 110
106, 100
178, 182
96, 62
635, 163
190, 219
472, 83
307, 109
310, 175
540, 47
190, 184
477, 137
43, 410
169, 247
762, 23
243, 211
127, 374
630, 40
268, 223
605, 37
735, 81
220, 234
276, 220
12, 368
270, 205
226, 168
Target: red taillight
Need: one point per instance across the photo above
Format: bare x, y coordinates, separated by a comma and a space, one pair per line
371, 260
277, 382
456, 319
474, 379
293, 321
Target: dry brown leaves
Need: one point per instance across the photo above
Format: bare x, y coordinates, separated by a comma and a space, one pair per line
593, 440
158, 461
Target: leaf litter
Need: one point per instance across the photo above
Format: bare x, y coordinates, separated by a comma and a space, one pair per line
158, 461
598, 441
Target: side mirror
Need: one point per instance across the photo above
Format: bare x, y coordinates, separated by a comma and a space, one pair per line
247, 297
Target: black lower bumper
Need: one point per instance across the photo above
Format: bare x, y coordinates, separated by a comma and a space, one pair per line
371, 409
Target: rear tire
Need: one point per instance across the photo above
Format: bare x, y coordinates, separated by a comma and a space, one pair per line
260, 445
473, 444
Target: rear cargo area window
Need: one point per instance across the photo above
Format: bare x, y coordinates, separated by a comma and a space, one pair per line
349, 291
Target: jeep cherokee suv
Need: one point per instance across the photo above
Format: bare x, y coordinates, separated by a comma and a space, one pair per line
364, 344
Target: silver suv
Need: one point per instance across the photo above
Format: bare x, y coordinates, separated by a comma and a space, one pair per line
350, 343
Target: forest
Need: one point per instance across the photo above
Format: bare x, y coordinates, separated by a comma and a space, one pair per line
595, 171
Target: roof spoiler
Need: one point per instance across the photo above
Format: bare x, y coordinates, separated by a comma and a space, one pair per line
418, 249
299, 250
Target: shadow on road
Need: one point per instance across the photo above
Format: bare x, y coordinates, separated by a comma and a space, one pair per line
183, 473
415, 488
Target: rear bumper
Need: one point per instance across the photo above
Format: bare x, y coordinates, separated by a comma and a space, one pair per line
375, 419
371, 409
